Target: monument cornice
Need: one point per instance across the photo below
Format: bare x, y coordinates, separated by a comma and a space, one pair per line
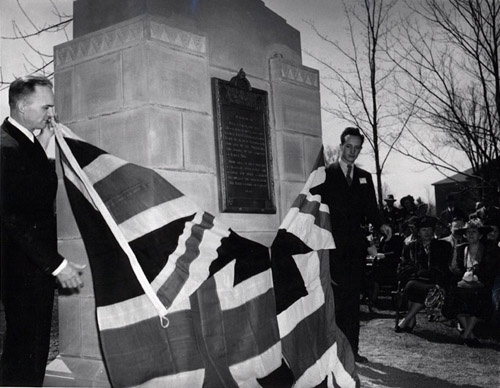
127, 34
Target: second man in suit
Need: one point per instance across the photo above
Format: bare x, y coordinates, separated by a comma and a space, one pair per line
350, 195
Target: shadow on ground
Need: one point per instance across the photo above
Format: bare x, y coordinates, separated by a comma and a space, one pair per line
387, 376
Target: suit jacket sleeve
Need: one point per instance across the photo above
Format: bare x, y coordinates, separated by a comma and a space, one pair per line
35, 239
28, 185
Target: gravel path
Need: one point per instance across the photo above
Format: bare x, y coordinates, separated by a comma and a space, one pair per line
432, 356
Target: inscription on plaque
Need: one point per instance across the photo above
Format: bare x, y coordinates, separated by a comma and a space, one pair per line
243, 148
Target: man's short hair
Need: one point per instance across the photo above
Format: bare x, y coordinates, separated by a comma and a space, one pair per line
353, 131
24, 86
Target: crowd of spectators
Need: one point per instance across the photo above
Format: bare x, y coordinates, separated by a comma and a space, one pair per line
453, 258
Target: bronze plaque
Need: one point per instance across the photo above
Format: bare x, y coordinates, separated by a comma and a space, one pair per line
243, 148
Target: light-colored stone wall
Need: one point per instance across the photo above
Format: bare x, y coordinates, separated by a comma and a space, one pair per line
297, 112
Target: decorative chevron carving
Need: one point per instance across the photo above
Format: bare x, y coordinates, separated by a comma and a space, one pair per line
178, 37
123, 35
299, 74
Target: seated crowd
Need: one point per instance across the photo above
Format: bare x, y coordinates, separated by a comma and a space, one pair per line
452, 262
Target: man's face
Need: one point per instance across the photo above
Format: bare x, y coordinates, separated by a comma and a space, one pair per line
426, 233
351, 148
36, 108
494, 234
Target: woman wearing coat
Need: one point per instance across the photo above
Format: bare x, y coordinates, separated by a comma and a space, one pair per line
424, 265
473, 265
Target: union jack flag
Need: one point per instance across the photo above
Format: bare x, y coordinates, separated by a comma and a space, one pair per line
183, 301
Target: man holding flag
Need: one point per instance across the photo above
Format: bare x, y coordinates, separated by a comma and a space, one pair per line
30, 262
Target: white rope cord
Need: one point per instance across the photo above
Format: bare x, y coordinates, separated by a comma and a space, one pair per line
115, 229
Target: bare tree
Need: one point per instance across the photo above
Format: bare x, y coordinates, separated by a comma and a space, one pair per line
361, 81
447, 54
27, 30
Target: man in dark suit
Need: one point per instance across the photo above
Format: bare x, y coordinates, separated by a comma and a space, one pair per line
391, 213
452, 211
350, 195
30, 262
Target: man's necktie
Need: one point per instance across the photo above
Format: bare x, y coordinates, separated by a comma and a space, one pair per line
348, 176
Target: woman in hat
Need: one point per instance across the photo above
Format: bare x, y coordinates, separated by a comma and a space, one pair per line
493, 238
473, 264
408, 208
424, 265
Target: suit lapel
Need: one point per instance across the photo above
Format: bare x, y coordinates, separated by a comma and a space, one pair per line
339, 175
35, 148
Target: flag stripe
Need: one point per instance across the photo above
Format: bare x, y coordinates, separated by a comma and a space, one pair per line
188, 379
248, 371
83, 152
156, 217
180, 274
153, 249
143, 351
308, 228
132, 189
102, 166
330, 365
307, 305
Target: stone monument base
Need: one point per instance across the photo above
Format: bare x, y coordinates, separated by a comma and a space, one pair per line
76, 372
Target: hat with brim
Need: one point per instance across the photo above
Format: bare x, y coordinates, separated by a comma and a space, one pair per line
390, 198
407, 198
475, 224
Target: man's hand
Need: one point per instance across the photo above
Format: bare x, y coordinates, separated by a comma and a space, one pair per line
46, 133
70, 277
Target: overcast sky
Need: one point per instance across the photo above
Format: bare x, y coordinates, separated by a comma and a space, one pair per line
401, 175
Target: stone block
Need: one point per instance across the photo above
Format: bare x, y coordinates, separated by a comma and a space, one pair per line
289, 192
98, 86
135, 75
199, 188
64, 94
290, 156
178, 79
149, 137
90, 336
165, 139
70, 328
199, 142
88, 130
297, 109
312, 148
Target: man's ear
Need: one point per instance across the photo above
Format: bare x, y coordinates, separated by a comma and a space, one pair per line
21, 105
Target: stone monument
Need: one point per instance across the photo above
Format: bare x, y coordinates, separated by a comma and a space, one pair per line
137, 80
